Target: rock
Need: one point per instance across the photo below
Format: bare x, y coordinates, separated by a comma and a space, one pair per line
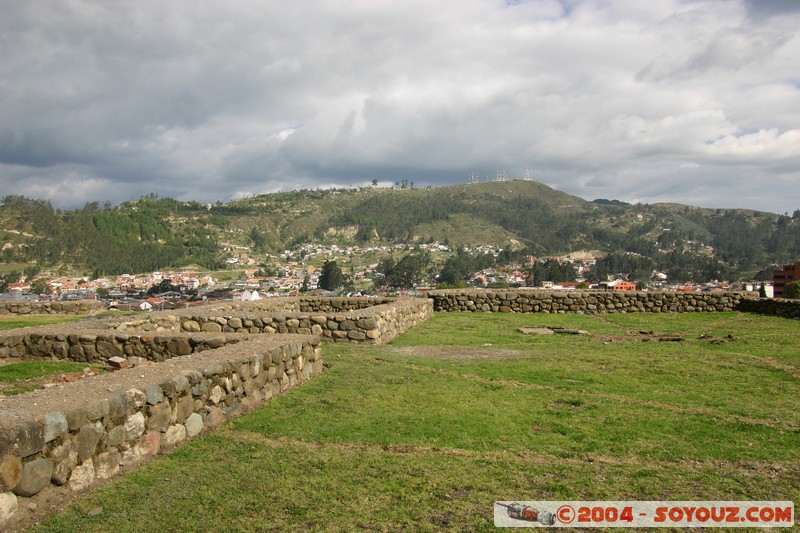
109, 350
117, 362
211, 327
153, 394
106, 465
10, 472
55, 425
183, 408
82, 476
216, 395
8, 506
215, 342
174, 435
23, 437
150, 442
215, 417
116, 435
160, 416
136, 398
193, 424
35, 476
134, 426
536, 331
192, 326
179, 346
85, 441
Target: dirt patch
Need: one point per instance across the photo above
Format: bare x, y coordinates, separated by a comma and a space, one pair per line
460, 353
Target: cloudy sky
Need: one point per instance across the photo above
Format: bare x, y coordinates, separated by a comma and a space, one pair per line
690, 101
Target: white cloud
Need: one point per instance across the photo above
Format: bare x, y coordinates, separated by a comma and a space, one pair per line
208, 100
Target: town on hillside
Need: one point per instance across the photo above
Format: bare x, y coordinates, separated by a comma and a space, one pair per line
366, 270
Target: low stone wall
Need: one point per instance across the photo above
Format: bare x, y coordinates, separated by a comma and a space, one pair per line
589, 302
334, 319
77, 307
768, 306
98, 346
74, 434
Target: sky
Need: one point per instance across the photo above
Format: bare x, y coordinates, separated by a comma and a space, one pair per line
689, 101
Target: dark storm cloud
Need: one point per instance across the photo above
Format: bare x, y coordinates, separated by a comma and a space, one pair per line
212, 101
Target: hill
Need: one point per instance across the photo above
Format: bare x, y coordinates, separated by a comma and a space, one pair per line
156, 233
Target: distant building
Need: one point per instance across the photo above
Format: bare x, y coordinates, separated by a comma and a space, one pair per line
618, 285
780, 278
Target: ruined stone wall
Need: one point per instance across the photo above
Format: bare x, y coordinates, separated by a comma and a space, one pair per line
589, 302
98, 346
77, 307
768, 306
334, 319
74, 434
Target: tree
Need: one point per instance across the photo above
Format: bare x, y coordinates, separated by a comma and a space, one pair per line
258, 239
762, 290
40, 286
304, 287
331, 277
792, 290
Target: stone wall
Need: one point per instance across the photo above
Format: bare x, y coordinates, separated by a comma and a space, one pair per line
334, 319
76, 307
73, 434
768, 306
98, 346
589, 302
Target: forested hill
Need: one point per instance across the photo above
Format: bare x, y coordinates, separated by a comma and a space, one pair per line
151, 233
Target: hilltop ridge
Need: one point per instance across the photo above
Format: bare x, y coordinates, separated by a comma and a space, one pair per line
151, 233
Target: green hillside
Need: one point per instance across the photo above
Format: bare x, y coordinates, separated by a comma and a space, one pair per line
152, 233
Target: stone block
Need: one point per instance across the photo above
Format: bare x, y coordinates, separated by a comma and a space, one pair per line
55, 424
106, 465
85, 441
21, 437
191, 326
193, 424
134, 426
8, 506
150, 442
35, 476
82, 476
174, 435
10, 472
160, 415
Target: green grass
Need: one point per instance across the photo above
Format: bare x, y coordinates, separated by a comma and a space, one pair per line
13, 372
21, 377
425, 433
23, 321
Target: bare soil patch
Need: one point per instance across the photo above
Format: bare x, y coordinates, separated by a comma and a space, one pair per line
460, 353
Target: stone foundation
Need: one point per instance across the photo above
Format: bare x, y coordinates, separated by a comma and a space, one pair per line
77, 307
75, 434
334, 319
588, 302
768, 306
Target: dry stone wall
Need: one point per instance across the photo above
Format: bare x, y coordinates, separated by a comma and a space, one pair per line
77, 307
768, 306
334, 319
98, 346
75, 434
589, 302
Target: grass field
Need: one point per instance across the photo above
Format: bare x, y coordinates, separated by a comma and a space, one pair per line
23, 321
426, 433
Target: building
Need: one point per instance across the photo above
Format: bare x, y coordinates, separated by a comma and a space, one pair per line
780, 278
618, 285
